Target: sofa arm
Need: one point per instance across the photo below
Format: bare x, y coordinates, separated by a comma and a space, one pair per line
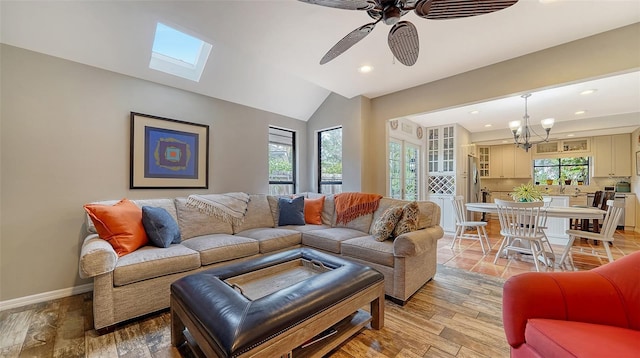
569, 296
96, 257
416, 242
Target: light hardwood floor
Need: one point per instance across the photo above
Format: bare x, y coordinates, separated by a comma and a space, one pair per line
457, 314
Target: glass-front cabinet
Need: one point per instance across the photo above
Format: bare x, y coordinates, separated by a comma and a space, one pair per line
441, 149
483, 160
563, 146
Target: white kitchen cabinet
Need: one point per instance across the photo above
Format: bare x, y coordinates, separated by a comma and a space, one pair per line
496, 164
630, 212
509, 161
612, 156
447, 213
522, 163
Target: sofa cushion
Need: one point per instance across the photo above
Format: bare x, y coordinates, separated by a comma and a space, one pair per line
193, 222
161, 228
329, 239
149, 262
273, 239
554, 338
291, 211
258, 214
313, 210
167, 204
216, 248
408, 221
368, 249
120, 224
305, 228
428, 215
382, 227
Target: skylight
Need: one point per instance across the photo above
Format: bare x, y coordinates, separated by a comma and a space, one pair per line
178, 54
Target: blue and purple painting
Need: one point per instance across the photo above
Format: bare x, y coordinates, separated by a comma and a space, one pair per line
170, 154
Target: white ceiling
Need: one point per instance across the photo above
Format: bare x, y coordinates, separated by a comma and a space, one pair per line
266, 53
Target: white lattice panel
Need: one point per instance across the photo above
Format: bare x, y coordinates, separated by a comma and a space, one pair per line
445, 184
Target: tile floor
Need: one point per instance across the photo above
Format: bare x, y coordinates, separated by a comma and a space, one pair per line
467, 254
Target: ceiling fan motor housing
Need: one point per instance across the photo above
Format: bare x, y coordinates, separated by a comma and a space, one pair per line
391, 15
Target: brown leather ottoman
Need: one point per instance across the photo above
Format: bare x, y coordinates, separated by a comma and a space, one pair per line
222, 320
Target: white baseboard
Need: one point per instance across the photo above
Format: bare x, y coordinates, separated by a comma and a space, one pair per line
45, 296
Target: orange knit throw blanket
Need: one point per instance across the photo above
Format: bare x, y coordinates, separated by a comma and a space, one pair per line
352, 205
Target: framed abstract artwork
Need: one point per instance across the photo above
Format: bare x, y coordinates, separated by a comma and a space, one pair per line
168, 153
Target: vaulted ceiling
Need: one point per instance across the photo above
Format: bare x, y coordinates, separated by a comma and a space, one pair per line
266, 53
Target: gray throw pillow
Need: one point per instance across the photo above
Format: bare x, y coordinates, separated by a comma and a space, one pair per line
160, 226
291, 211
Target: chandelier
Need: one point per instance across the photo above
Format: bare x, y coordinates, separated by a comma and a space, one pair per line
522, 133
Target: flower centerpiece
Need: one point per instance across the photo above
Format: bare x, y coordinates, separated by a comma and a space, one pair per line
526, 192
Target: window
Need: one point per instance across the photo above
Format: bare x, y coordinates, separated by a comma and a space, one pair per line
282, 161
330, 161
178, 54
575, 169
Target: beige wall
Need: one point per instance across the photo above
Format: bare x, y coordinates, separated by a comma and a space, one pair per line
348, 113
65, 141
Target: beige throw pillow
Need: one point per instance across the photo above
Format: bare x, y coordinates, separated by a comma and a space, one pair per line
384, 225
409, 220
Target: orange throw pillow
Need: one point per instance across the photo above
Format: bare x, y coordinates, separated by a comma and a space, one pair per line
313, 210
119, 224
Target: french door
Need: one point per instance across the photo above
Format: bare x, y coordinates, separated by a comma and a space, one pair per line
404, 170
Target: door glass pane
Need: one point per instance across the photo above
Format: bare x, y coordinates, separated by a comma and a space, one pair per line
411, 161
395, 185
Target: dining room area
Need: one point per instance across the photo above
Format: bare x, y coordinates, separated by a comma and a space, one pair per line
467, 254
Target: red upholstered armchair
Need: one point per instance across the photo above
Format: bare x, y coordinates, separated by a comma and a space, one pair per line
592, 313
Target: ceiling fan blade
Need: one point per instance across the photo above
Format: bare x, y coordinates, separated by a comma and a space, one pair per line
453, 9
344, 4
351, 39
403, 42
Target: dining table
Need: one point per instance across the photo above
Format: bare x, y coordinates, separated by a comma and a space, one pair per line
567, 212
552, 212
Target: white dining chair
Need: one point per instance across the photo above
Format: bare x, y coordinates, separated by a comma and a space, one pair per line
462, 224
522, 228
609, 224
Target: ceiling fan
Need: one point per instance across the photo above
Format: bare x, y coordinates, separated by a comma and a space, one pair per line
403, 36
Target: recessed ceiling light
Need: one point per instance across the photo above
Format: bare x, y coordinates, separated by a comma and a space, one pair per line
589, 91
487, 125
474, 112
365, 69
571, 135
577, 113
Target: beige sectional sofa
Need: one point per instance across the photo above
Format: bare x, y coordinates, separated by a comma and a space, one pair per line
138, 283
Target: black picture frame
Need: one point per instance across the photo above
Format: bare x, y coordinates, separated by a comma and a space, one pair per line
168, 153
